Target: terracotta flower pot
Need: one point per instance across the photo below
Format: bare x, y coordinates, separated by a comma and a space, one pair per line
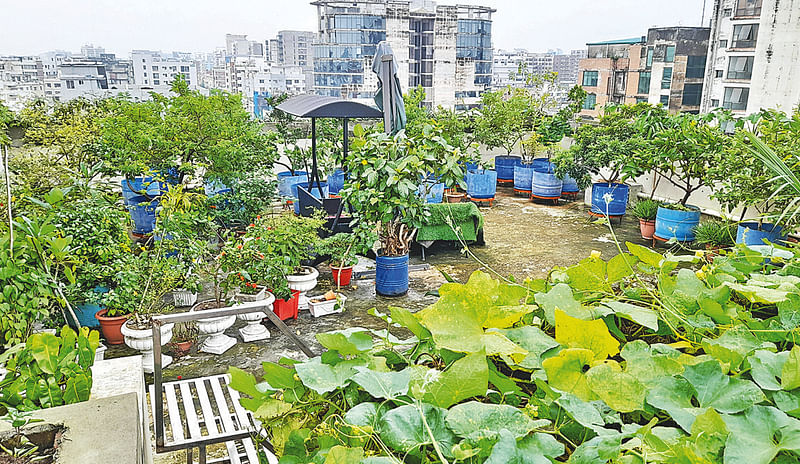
455, 197
647, 227
111, 326
342, 275
180, 349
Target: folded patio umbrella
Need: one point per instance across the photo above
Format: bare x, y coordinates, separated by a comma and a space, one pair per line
396, 110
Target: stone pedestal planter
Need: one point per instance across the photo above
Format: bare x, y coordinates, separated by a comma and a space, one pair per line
216, 341
254, 330
183, 297
142, 340
303, 283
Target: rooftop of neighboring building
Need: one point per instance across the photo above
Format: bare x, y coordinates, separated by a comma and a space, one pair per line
632, 41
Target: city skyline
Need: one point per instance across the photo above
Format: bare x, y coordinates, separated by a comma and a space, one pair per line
121, 28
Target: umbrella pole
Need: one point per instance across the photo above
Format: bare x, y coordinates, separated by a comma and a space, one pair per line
386, 78
314, 171
344, 163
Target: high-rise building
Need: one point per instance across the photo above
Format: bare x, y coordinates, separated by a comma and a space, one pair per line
752, 56
567, 66
604, 72
293, 48
157, 69
445, 49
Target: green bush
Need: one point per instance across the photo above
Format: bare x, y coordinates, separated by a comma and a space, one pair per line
645, 209
715, 233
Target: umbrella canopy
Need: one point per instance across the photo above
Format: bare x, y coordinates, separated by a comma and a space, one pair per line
389, 97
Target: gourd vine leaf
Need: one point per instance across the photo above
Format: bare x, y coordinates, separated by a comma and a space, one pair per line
567, 372
533, 340
476, 421
733, 346
323, 378
643, 316
539, 448
591, 335
406, 428
344, 455
348, 342
757, 435
385, 385
465, 378
621, 391
561, 297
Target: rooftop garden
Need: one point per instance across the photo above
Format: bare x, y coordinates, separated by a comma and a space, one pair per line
116, 211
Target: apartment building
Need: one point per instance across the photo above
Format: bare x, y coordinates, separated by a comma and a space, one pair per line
753, 56
157, 70
446, 49
604, 72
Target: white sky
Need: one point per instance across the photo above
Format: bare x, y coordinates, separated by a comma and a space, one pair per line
35, 26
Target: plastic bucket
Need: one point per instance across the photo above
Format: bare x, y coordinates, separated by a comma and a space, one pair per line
336, 181
482, 184
545, 185
313, 190
435, 192
287, 309
749, 233
618, 202
676, 224
342, 275
391, 275
286, 180
569, 185
504, 165
86, 311
143, 215
523, 177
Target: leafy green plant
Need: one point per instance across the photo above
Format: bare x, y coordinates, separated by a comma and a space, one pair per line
645, 209
342, 249
715, 233
786, 183
50, 371
249, 197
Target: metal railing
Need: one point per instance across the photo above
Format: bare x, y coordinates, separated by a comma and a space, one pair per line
161, 319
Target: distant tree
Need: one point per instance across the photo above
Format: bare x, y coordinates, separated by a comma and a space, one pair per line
417, 116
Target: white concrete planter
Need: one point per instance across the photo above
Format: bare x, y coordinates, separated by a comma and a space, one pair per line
254, 330
325, 307
183, 297
216, 341
303, 283
142, 340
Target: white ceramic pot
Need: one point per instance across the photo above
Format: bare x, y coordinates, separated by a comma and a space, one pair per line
325, 307
254, 330
216, 341
303, 283
142, 340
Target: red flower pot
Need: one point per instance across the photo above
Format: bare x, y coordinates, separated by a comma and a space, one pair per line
342, 275
648, 228
111, 326
287, 309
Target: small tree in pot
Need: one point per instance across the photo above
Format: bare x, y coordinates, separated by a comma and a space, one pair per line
382, 189
342, 250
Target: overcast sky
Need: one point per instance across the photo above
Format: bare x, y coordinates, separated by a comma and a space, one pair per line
35, 26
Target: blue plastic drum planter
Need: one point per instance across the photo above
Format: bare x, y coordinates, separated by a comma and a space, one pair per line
391, 275
753, 233
546, 186
504, 165
432, 192
543, 165
676, 224
523, 178
336, 182
569, 186
482, 185
141, 197
85, 311
286, 180
609, 199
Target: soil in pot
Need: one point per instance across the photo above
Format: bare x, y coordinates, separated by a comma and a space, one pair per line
111, 327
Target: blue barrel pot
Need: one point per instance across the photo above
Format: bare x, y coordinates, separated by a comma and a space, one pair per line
313, 190
523, 178
215, 187
391, 275
85, 311
286, 180
749, 233
140, 196
545, 185
676, 224
618, 202
569, 185
336, 182
482, 184
543, 165
432, 192
504, 165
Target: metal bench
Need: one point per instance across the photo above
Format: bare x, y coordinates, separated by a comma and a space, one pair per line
195, 413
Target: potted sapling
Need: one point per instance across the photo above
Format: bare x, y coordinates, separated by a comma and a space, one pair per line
645, 211
342, 251
184, 336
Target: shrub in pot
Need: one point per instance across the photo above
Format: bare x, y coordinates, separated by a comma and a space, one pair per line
715, 234
384, 171
342, 250
451, 173
646, 211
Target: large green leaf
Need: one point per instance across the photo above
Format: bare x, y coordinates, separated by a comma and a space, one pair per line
650, 362
600, 449
539, 448
733, 346
386, 385
366, 414
348, 342
344, 455
646, 255
476, 421
408, 427
533, 340
44, 348
758, 294
323, 378
77, 389
466, 378
758, 434
591, 335
580, 411
790, 372
561, 297
567, 372
589, 275
621, 391
643, 316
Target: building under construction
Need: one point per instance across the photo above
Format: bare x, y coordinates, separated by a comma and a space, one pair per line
446, 49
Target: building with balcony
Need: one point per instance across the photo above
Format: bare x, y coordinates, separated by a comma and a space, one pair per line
445, 49
753, 56
670, 68
603, 74
157, 70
